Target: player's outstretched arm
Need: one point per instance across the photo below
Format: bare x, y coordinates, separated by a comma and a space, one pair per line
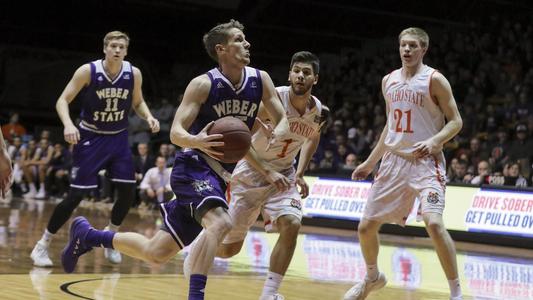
195, 95
273, 105
80, 79
139, 105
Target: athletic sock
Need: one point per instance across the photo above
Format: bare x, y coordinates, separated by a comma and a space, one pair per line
46, 238
372, 272
272, 283
112, 227
100, 238
197, 286
455, 287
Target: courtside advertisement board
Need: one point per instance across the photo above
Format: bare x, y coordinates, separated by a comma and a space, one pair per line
469, 209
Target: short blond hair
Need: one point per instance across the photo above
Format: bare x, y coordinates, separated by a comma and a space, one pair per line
115, 35
420, 33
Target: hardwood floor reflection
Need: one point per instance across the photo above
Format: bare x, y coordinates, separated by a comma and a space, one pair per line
326, 263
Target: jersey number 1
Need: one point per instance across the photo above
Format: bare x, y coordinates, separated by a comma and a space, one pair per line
398, 118
285, 147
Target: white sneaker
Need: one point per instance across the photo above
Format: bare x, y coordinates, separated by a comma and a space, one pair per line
113, 256
40, 257
40, 195
30, 194
456, 298
361, 289
273, 297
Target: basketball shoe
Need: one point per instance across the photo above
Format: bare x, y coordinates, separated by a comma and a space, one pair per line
361, 289
76, 245
39, 255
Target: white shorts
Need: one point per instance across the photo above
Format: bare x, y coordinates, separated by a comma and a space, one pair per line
400, 181
251, 194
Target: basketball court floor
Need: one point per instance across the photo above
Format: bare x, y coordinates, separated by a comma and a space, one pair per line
326, 263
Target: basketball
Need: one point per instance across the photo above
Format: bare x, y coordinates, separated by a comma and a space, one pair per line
237, 138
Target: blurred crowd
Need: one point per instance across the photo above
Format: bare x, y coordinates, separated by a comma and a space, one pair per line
489, 65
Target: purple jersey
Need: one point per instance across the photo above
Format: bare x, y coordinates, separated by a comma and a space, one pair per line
226, 100
106, 102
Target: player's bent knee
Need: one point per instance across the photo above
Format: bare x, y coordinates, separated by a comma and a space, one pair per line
289, 224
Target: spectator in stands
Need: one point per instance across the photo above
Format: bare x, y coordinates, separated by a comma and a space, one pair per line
476, 153
138, 129
515, 177
483, 170
57, 174
521, 148
329, 162
35, 169
171, 155
460, 175
165, 114
155, 186
13, 128
15, 153
143, 161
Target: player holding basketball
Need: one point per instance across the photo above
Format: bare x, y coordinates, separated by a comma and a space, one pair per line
252, 194
232, 89
109, 87
419, 100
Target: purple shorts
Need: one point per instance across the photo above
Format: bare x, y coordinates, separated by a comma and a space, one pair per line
198, 189
95, 152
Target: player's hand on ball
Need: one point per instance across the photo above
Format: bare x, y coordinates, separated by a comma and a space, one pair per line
362, 171
304, 188
71, 134
153, 123
206, 142
280, 181
426, 148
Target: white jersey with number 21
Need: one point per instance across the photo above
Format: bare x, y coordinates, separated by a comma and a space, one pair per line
414, 116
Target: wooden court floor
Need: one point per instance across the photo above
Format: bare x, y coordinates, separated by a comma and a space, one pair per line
326, 263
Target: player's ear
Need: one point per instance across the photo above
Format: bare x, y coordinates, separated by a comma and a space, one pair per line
219, 48
316, 79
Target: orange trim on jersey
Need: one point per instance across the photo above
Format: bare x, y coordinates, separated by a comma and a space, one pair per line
429, 87
439, 175
228, 193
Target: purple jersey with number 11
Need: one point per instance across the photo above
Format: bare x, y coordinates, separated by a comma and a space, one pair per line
107, 101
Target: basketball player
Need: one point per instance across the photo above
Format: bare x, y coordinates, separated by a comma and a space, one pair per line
251, 194
231, 89
419, 100
109, 88
6, 169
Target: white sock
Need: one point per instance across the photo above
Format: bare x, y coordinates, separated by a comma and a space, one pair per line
272, 283
46, 238
112, 227
455, 287
32, 187
372, 272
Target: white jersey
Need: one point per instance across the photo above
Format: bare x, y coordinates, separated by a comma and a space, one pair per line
282, 153
413, 115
